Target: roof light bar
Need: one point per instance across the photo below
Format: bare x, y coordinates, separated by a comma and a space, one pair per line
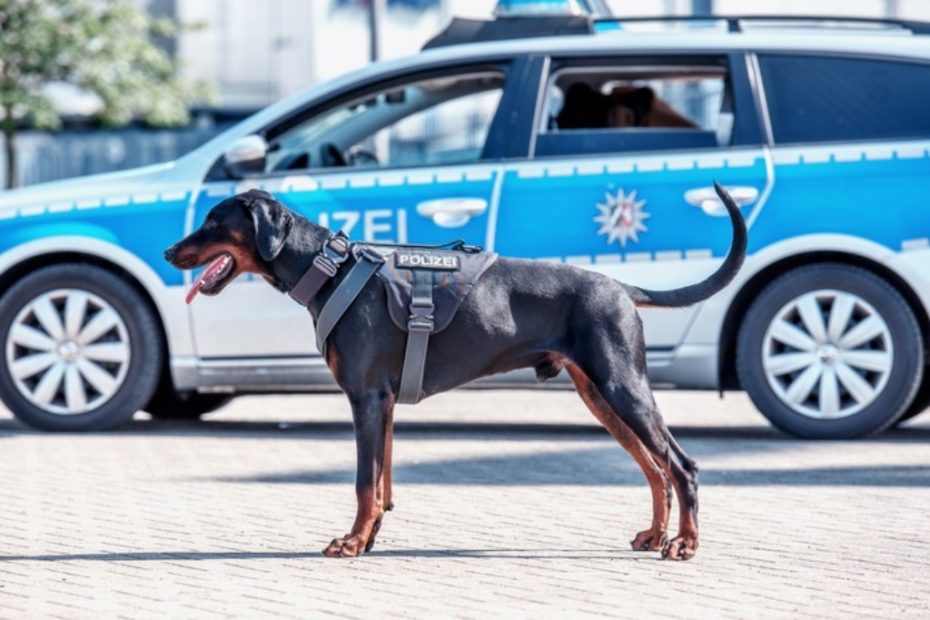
549, 8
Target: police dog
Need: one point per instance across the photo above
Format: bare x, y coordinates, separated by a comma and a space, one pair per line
520, 313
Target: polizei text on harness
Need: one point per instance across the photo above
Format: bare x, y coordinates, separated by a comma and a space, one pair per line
426, 260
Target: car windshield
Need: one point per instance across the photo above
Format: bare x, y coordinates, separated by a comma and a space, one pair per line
403, 108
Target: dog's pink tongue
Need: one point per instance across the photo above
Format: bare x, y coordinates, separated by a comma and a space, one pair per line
212, 269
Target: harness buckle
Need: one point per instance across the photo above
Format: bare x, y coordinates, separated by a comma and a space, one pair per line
336, 249
327, 265
421, 324
421, 317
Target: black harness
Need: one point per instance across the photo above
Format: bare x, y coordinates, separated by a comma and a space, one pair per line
409, 272
334, 252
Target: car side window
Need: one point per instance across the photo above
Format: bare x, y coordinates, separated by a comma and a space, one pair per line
635, 107
429, 122
822, 99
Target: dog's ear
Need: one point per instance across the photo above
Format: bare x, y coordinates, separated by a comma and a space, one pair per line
584, 108
272, 223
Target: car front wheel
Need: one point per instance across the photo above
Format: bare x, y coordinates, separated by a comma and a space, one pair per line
921, 402
82, 349
830, 351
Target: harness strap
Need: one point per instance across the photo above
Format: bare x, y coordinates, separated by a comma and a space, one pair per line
335, 251
337, 304
419, 327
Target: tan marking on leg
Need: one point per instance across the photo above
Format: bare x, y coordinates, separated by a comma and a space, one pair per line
654, 538
685, 543
367, 520
372, 502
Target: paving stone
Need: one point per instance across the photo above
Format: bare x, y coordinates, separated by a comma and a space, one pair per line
509, 504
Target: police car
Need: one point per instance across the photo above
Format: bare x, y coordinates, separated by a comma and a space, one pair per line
574, 138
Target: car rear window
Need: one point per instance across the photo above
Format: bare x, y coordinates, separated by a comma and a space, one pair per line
635, 106
818, 99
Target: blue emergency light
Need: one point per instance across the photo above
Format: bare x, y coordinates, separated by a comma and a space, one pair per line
538, 8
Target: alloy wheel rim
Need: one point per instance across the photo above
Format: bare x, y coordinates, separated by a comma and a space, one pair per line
68, 351
827, 354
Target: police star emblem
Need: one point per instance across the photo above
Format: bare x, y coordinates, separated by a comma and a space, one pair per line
622, 217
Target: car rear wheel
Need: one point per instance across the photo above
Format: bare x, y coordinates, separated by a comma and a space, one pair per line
830, 351
82, 349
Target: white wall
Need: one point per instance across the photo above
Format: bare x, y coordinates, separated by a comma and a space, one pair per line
259, 52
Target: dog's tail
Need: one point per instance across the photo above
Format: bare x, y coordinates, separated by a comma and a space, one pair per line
714, 283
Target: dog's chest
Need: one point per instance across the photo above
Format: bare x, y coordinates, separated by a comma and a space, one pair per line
452, 274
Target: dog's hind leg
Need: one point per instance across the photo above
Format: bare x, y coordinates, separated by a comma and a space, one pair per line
370, 412
612, 357
638, 411
653, 539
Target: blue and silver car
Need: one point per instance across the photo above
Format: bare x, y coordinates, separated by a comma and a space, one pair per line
591, 142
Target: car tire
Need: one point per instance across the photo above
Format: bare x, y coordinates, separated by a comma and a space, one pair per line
921, 402
830, 351
82, 349
170, 405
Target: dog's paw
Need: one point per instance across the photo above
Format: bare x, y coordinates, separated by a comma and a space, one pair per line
348, 547
680, 548
649, 540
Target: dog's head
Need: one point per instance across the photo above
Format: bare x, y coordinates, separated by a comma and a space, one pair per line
242, 234
630, 106
633, 106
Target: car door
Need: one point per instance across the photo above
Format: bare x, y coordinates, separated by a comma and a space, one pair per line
834, 350
621, 170
407, 161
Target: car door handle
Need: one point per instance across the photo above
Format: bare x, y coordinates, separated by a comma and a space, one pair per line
705, 198
452, 212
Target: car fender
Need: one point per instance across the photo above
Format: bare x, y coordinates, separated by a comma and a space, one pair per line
707, 324
911, 264
95, 241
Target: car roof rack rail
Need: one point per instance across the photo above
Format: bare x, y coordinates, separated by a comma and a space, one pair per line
735, 22
461, 30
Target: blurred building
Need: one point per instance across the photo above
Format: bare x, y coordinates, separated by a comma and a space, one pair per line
257, 53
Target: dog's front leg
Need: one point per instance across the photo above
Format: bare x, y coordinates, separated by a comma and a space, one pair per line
387, 488
369, 414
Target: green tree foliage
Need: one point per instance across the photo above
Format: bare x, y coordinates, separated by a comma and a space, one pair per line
106, 47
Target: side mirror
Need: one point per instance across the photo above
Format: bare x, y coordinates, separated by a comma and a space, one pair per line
246, 155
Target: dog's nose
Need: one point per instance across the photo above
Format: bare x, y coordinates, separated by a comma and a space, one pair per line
170, 253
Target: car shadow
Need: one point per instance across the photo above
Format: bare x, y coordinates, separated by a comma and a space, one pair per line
437, 429
336, 430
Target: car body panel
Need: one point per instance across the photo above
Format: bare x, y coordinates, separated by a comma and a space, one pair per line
370, 205
681, 245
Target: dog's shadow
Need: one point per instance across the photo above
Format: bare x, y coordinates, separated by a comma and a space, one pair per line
373, 555
598, 466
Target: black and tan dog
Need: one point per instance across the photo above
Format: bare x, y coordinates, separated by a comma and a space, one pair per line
519, 314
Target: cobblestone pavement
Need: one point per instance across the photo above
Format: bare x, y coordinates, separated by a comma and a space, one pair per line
509, 504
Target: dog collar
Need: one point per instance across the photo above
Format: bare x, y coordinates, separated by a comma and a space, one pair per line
326, 263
